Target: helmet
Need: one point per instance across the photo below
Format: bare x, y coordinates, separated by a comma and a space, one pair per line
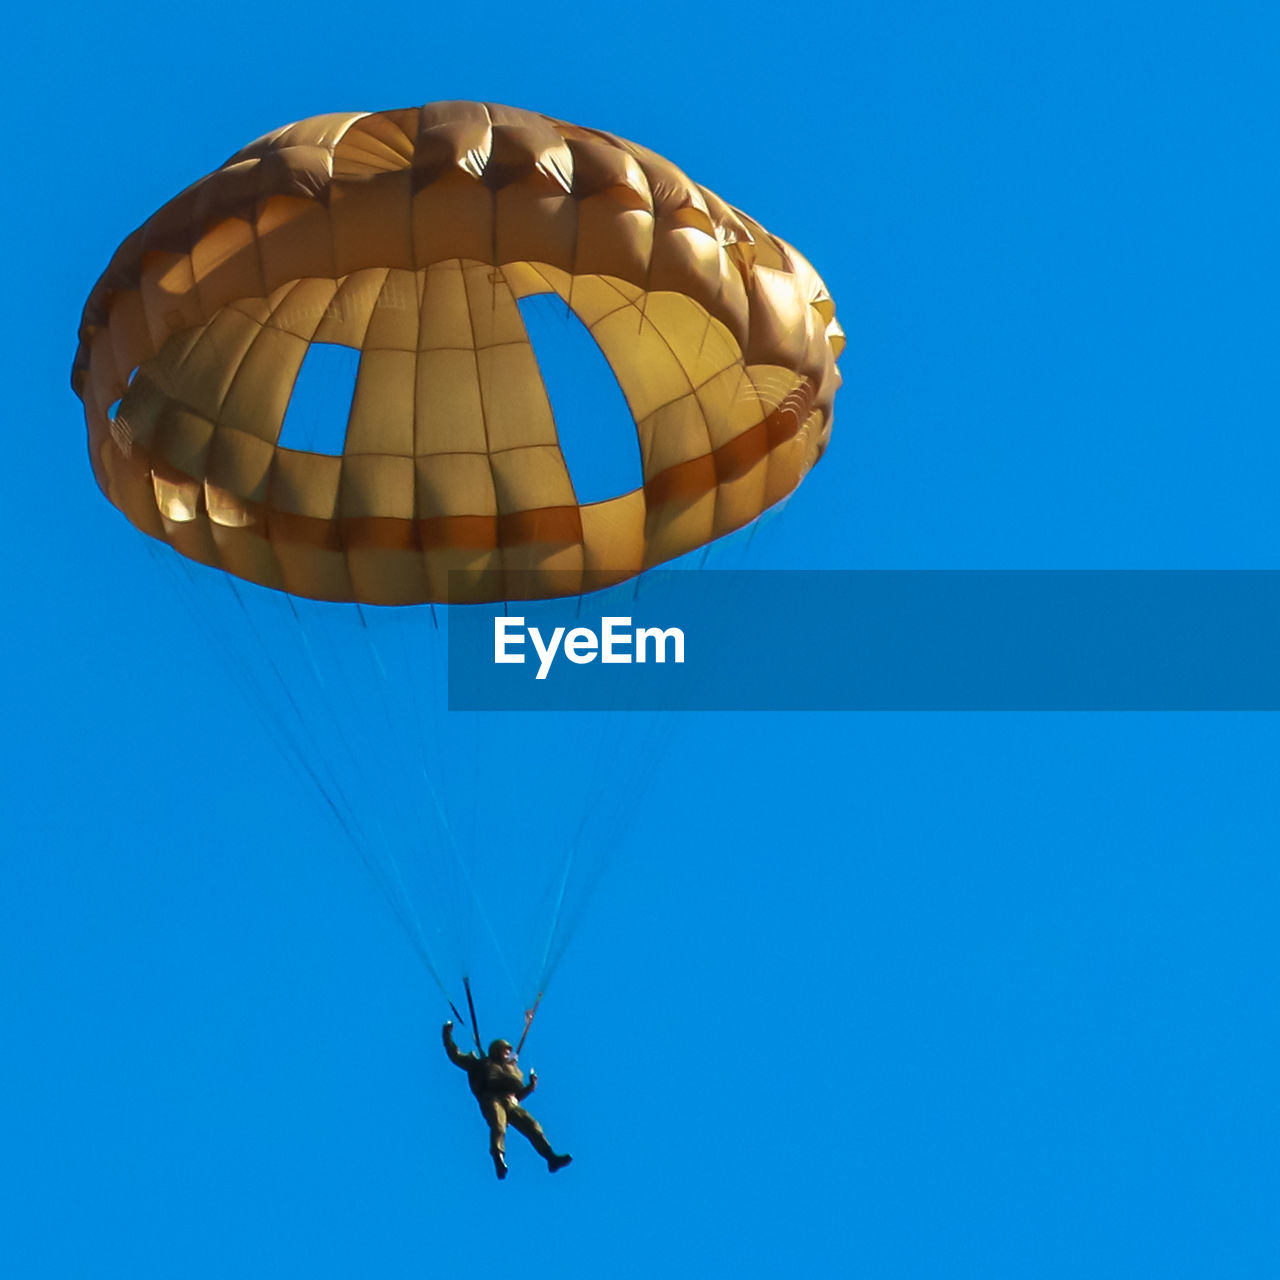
499, 1049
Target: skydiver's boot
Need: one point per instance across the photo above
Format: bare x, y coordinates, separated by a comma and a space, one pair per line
556, 1163
499, 1164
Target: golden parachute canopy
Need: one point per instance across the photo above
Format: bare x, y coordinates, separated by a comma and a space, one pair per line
410, 236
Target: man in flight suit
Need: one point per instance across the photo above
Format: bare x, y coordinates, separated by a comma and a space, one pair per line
499, 1087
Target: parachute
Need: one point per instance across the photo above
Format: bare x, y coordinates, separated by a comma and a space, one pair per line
423, 247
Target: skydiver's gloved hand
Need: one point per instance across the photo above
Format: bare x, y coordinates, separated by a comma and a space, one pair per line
447, 1032
533, 1081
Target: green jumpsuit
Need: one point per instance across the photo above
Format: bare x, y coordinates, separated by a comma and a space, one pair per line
499, 1088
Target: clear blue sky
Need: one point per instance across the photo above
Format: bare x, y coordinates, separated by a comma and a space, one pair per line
884, 995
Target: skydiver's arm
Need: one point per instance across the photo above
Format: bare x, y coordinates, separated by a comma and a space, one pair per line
458, 1059
529, 1088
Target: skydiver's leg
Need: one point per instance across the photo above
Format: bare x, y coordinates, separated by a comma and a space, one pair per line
495, 1115
523, 1122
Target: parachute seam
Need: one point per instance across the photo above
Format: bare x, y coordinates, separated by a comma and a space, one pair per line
484, 423
684, 374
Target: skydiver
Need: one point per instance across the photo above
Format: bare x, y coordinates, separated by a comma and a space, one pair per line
499, 1087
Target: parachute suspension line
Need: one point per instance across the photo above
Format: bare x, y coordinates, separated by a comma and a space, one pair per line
470, 767
471, 1006
556, 938
553, 927
529, 1015
463, 891
419, 718
453, 1008
647, 761
463, 860
257, 698
394, 894
459, 860
288, 693
493, 936
626, 790
354, 758
253, 695
471, 814
300, 631
407, 816
649, 755
566, 925
380, 682
286, 742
